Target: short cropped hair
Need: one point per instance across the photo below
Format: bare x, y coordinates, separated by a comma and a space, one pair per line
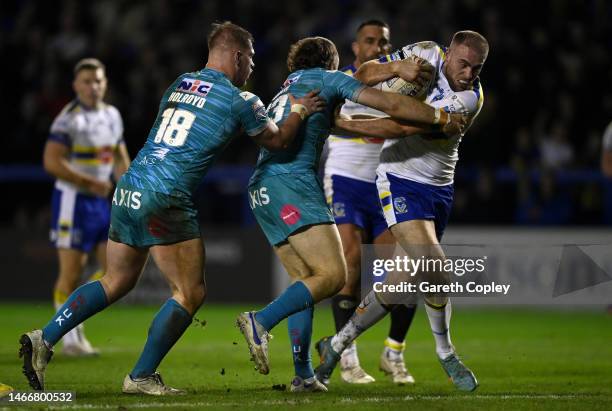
229, 34
372, 22
473, 40
89, 63
312, 52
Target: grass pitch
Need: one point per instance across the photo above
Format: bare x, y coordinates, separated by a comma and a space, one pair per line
524, 359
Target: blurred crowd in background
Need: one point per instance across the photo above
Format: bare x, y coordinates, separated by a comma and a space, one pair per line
532, 157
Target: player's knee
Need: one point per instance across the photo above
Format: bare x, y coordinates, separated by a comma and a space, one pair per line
116, 286
194, 297
331, 276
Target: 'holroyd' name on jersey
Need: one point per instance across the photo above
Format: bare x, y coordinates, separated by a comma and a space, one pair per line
191, 91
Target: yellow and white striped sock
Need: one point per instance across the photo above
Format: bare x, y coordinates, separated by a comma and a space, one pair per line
394, 349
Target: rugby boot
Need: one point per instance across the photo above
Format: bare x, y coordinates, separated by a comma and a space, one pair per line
150, 385
460, 375
257, 340
299, 384
329, 358
36, 355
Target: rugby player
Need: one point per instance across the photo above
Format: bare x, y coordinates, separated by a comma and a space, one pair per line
84, 148
415, 185
152, 209
350, 190
289, 204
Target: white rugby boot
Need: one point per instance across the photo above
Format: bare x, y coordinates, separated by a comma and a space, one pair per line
392, 364
257, 340
36, 355
350, 369
151, 385
298, 384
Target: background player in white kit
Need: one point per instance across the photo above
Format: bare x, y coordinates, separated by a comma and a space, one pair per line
415, 184
85, 147
350, 189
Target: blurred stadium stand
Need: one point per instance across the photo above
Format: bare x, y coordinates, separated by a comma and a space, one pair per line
548, 86
532, 157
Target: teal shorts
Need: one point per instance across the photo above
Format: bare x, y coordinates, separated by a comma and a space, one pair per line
142, 218
284, 203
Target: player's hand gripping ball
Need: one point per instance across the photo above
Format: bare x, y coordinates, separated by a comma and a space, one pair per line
417, 88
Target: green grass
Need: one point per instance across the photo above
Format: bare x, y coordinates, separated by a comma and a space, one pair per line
524, 359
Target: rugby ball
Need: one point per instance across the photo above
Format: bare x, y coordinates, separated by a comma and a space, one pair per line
407, 88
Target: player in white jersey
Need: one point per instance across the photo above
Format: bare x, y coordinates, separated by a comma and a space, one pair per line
350, 189
415, 178
85, 147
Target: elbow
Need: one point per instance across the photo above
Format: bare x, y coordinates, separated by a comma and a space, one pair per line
365, 74
365, 78
360, 76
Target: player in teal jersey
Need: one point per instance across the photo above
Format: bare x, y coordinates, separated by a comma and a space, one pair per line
288, 201
152, 208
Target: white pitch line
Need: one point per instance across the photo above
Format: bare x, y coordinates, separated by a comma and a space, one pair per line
344, 400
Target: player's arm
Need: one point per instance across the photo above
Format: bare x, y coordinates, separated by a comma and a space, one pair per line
122, 160
413, 69
55, 162
389, 128
410, 109
385, 128
275, 137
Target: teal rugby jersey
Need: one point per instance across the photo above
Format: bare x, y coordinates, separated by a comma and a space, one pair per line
199, 114
305, 150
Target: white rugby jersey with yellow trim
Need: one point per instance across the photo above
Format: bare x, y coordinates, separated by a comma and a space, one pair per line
430, 158
92, 136
354, 157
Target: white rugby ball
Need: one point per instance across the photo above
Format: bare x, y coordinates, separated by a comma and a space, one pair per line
407, 88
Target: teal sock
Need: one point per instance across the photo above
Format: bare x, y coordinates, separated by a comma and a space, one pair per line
167, 327
300, 334
295, 298
84, 302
